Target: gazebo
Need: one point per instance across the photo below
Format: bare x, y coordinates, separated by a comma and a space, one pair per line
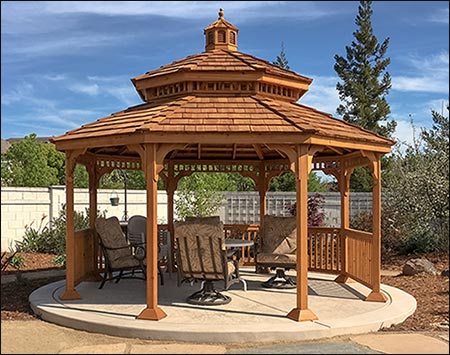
225, 111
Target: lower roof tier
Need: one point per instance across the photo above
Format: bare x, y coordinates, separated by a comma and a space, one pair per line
201, 115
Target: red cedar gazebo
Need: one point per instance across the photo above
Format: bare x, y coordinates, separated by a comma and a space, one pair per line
225, 111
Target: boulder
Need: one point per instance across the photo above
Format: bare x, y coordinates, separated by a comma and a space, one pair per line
417, 266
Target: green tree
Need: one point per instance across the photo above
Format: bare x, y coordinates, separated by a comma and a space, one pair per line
362, 92
200, 194
281, 59
416, 197
286, 182
26, 163
364, 87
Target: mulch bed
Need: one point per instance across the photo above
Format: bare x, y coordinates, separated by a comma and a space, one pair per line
431, 292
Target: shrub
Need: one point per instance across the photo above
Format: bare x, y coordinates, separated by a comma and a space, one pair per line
51, 240
316, 213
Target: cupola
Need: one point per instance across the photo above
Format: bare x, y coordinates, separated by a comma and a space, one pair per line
221, 35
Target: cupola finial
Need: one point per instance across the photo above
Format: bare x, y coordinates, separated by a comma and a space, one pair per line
221, 13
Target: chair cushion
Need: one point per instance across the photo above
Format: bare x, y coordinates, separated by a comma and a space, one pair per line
279, 235
230, 267
111, 235
267, 258
127, 261
201, 249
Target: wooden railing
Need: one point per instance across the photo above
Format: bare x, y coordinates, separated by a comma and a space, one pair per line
324, 250
84, 254
359, 255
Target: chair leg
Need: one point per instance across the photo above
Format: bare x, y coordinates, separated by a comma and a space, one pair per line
161, 275
104, 280
119, 276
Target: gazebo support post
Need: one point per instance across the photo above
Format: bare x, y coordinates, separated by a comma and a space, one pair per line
376, 295
171, 186
93, 206
152, 311
302, 168
70, 293
344, 189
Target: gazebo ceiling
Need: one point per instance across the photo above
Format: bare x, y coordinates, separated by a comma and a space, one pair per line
221, 103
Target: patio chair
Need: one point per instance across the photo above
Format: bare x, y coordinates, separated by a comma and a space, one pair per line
201, 255
276, 249
137, 237
118, 254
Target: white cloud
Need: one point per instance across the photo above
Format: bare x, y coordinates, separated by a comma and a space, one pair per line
440, 16
431, 74
88, 89
404, 132
322, 94
17, 94
189, 9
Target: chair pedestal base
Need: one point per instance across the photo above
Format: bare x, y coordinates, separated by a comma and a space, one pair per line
208, 296
280, 280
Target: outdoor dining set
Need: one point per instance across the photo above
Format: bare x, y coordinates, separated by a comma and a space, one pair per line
203, 253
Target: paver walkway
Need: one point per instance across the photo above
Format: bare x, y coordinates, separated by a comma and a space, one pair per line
39, 337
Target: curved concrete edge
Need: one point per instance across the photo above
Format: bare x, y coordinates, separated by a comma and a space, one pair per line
399, 307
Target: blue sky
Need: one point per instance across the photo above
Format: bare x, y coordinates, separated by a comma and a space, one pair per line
64, 64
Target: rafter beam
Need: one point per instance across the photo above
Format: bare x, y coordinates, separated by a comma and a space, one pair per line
258, 151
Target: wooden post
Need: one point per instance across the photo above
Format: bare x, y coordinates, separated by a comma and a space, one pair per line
152, 311
93, 206
376, 295
302, 168
344, 189
262, 185
171, 186
70, 293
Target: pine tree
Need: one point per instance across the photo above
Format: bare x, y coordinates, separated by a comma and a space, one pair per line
281, 60
362, 92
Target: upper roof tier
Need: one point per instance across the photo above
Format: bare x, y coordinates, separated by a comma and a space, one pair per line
221, 69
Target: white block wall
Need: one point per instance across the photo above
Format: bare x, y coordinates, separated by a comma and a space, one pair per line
22, 206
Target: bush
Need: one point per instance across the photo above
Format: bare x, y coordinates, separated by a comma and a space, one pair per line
51, 240
316, 214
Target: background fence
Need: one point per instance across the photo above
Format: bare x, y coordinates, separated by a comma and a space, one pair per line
25, 206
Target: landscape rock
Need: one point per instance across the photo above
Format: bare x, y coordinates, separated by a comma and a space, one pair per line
444, 273
417, 266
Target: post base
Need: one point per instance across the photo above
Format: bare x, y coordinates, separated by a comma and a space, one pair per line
152, 314
344, 279
70, 295
93, 277
376, 297
301, 315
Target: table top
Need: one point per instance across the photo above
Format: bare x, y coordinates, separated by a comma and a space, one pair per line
234, 243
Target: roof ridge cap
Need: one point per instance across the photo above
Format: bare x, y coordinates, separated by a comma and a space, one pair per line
260, 100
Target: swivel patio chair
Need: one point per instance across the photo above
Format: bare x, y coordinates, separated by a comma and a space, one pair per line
201, 255
120, 261
276, 249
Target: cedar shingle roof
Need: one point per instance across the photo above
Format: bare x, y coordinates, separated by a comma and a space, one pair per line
252, 114
222, 60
